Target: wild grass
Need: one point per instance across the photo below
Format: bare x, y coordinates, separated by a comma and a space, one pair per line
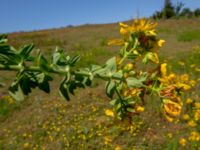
188, 36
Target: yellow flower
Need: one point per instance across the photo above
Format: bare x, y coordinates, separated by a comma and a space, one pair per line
163, 69
124, 29
184, 77
138, 26
189, 101
192, 82
139, 109
197, 105
161, 42
182, 142
170, 119
183, 86
172, 108
153, 57
197, 115
186, 117
129, 67
107, 140
109, 112
194, 136
192, 123
26, 145
117, 147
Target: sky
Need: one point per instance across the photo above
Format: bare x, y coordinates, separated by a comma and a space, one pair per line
28, 15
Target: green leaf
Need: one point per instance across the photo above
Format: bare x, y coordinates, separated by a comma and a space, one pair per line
8, 55
110, 88
111, 64
43, 82
129, 109
3, 38
114, 102
64, 91
118, 75
73, 60
25, 85
25, 51
56, 56
16, 92
134, 82
43, 63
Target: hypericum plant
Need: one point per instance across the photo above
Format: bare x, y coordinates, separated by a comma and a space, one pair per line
127, 85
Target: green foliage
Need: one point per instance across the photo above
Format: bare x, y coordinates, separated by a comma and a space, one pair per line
175, 11
34, 70
168, 10
7, 106
197, 12
188, 36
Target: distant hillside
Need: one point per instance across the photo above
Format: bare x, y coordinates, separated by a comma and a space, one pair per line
93, 38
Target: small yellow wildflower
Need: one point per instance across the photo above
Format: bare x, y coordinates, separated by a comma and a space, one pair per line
109, 112
139, 109
117, 147
182, 142
192, 123
194, 136
184, 77
26, 145
163, 69
197, 115
107, 140
197, 105
189, 101
161, 42
192, 82
153, 57
186, 117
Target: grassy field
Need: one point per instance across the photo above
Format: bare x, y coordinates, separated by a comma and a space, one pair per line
48, 122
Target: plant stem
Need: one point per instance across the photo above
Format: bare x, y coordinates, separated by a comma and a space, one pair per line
51, 70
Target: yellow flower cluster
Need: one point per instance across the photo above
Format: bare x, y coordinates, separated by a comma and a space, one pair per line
144, 30
171, 88
194, 136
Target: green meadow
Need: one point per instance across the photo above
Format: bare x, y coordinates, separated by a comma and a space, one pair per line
48, 122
